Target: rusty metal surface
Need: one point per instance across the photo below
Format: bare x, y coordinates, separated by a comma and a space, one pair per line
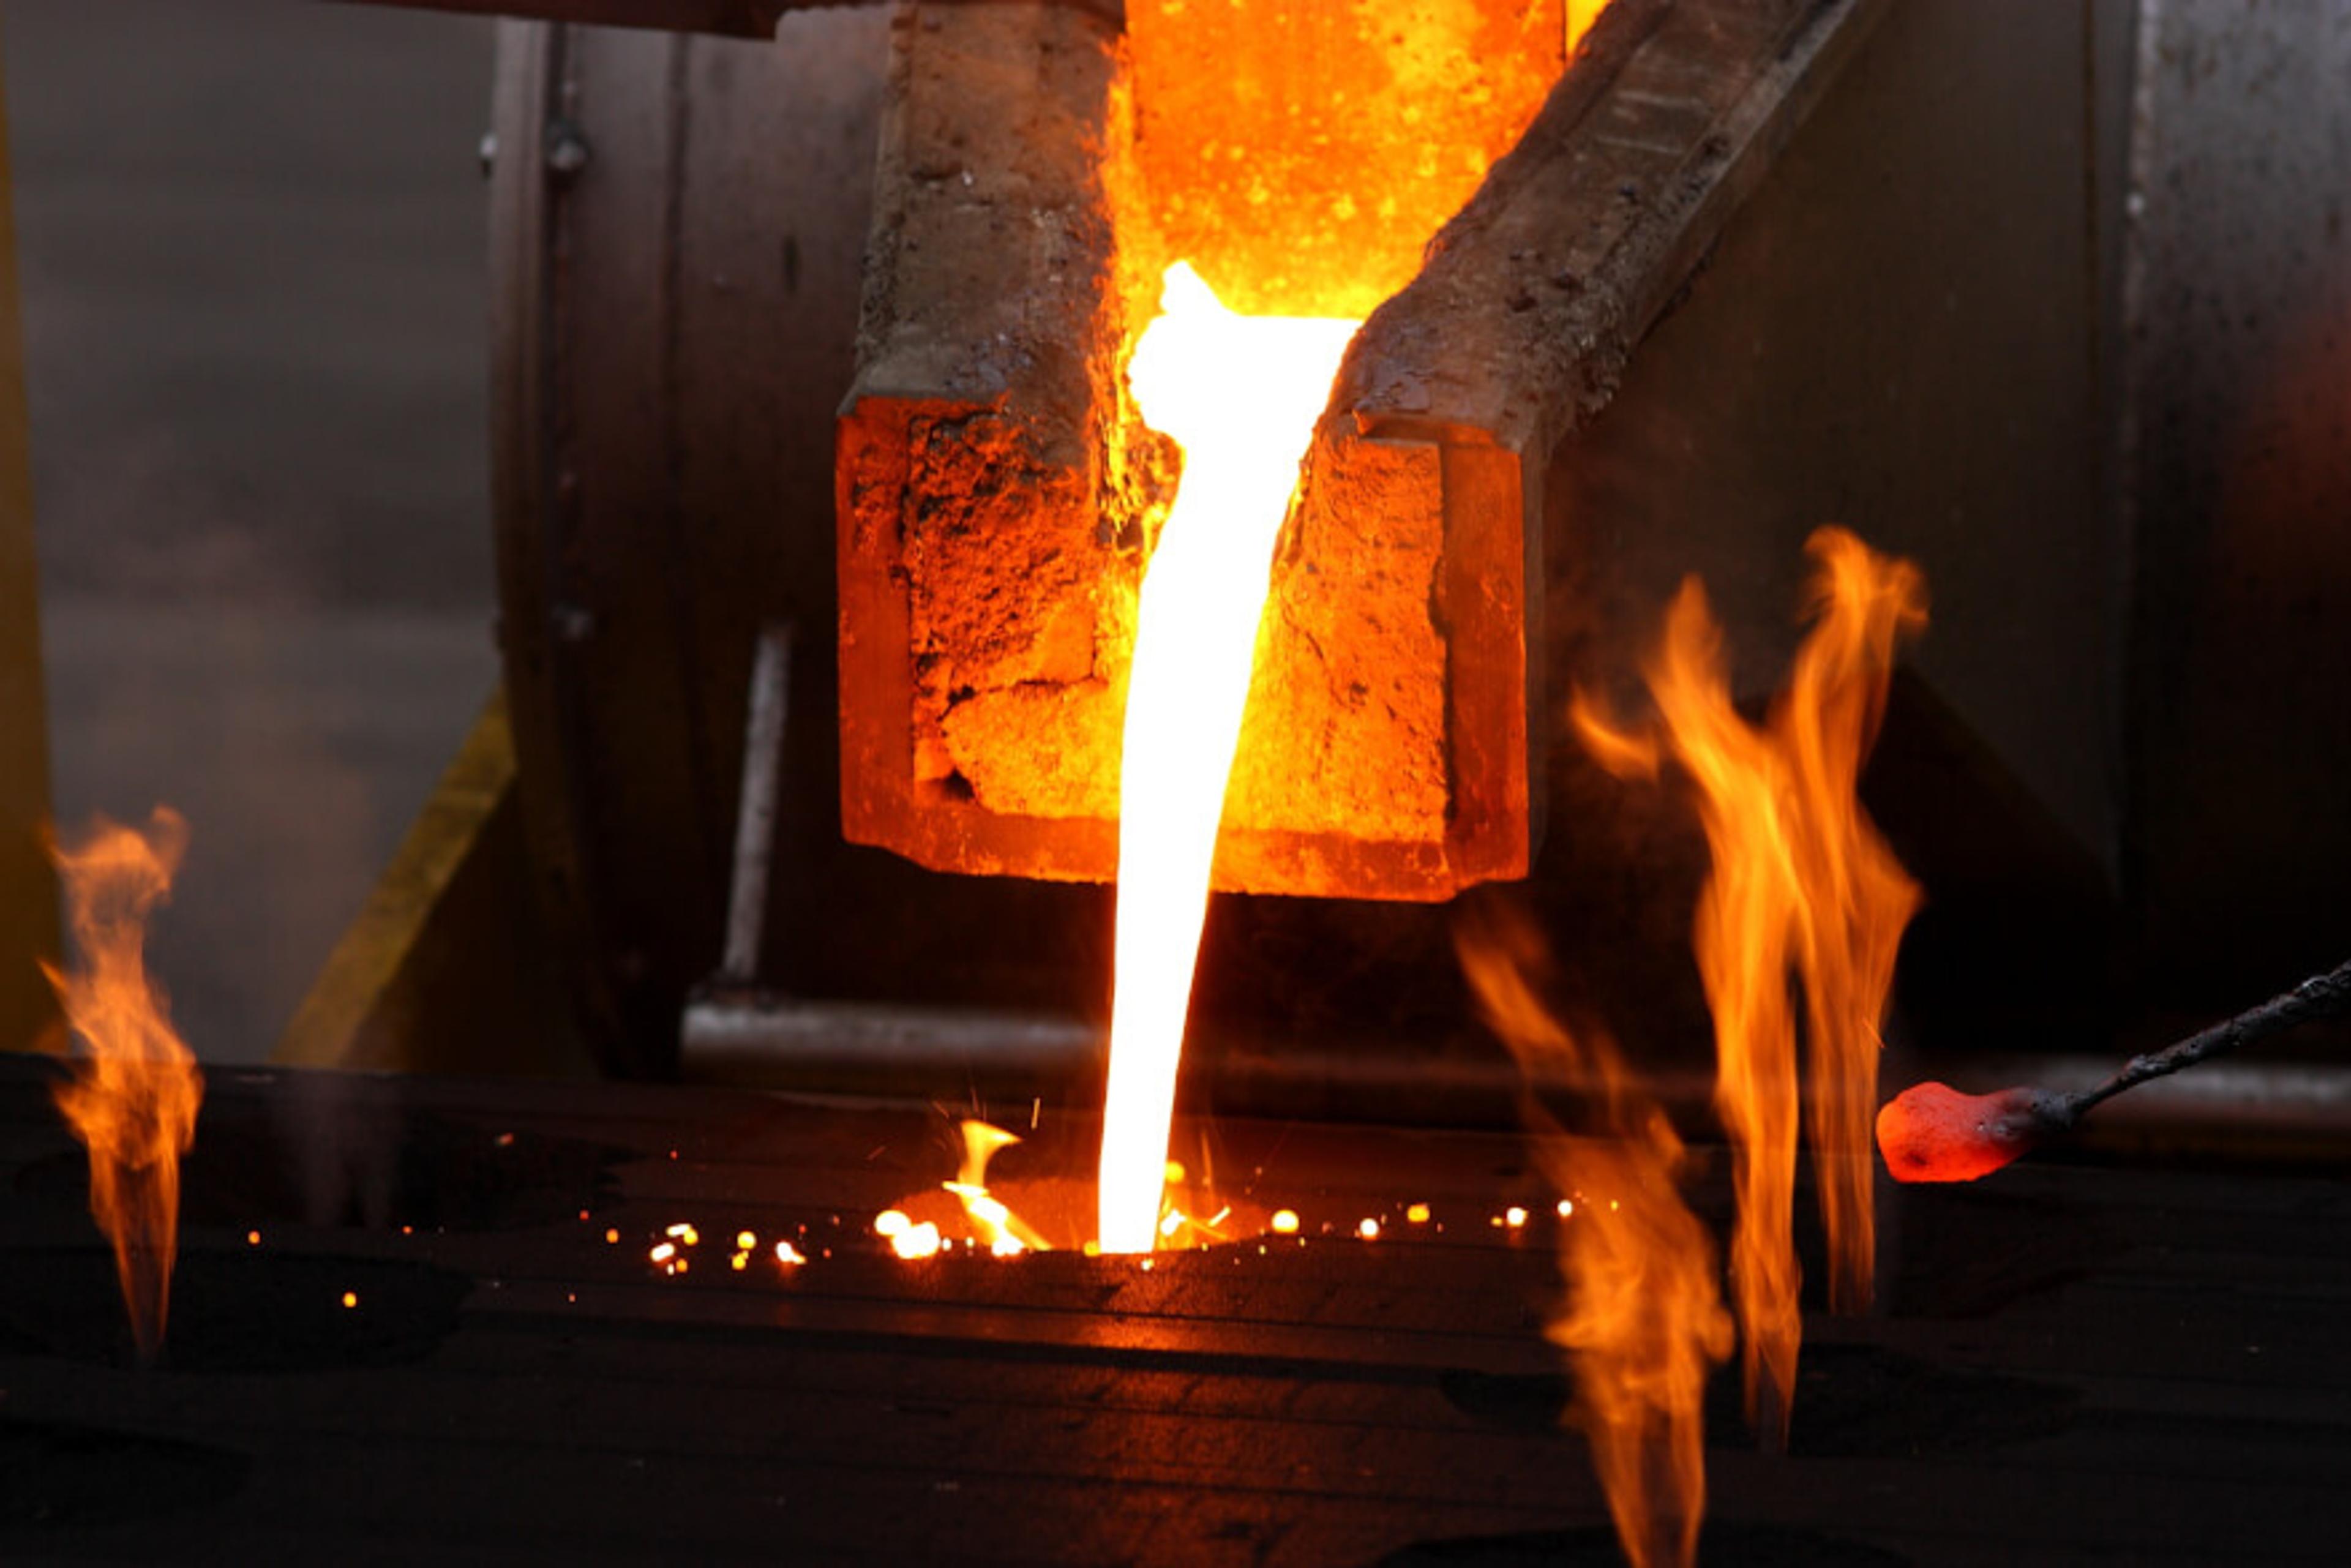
2069, 1364
990, 526
1533, 299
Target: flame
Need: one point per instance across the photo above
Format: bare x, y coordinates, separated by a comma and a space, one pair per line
1003, 1231
1643, 1323
133, 1094
1240, 395
1800, 880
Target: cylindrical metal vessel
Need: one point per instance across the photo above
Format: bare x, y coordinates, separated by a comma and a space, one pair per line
677, 226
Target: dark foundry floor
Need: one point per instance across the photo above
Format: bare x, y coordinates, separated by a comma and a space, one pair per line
2069, 1364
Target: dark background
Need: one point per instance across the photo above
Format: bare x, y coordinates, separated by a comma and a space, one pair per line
253, 245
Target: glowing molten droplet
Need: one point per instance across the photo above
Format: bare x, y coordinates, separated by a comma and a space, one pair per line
746, 1240
788, 1255
134, 1091
1240, 395
350, 1298
1369, 1229
917, 1241
1416, 1215
1932, 1133
664, 1252
891, 1224
1285, 1222
253, 1239
1514, 1217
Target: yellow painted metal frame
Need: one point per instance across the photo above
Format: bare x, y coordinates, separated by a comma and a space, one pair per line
443, 970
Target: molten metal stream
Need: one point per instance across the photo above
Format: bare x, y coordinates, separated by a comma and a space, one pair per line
1240, 395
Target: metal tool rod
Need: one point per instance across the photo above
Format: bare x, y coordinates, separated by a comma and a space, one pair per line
2321, 995
755, 818
772, 1041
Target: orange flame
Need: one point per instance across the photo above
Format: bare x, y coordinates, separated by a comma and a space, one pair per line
1005, 1232
135, 1089
1800, 879
1643, 1323
1240, 395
